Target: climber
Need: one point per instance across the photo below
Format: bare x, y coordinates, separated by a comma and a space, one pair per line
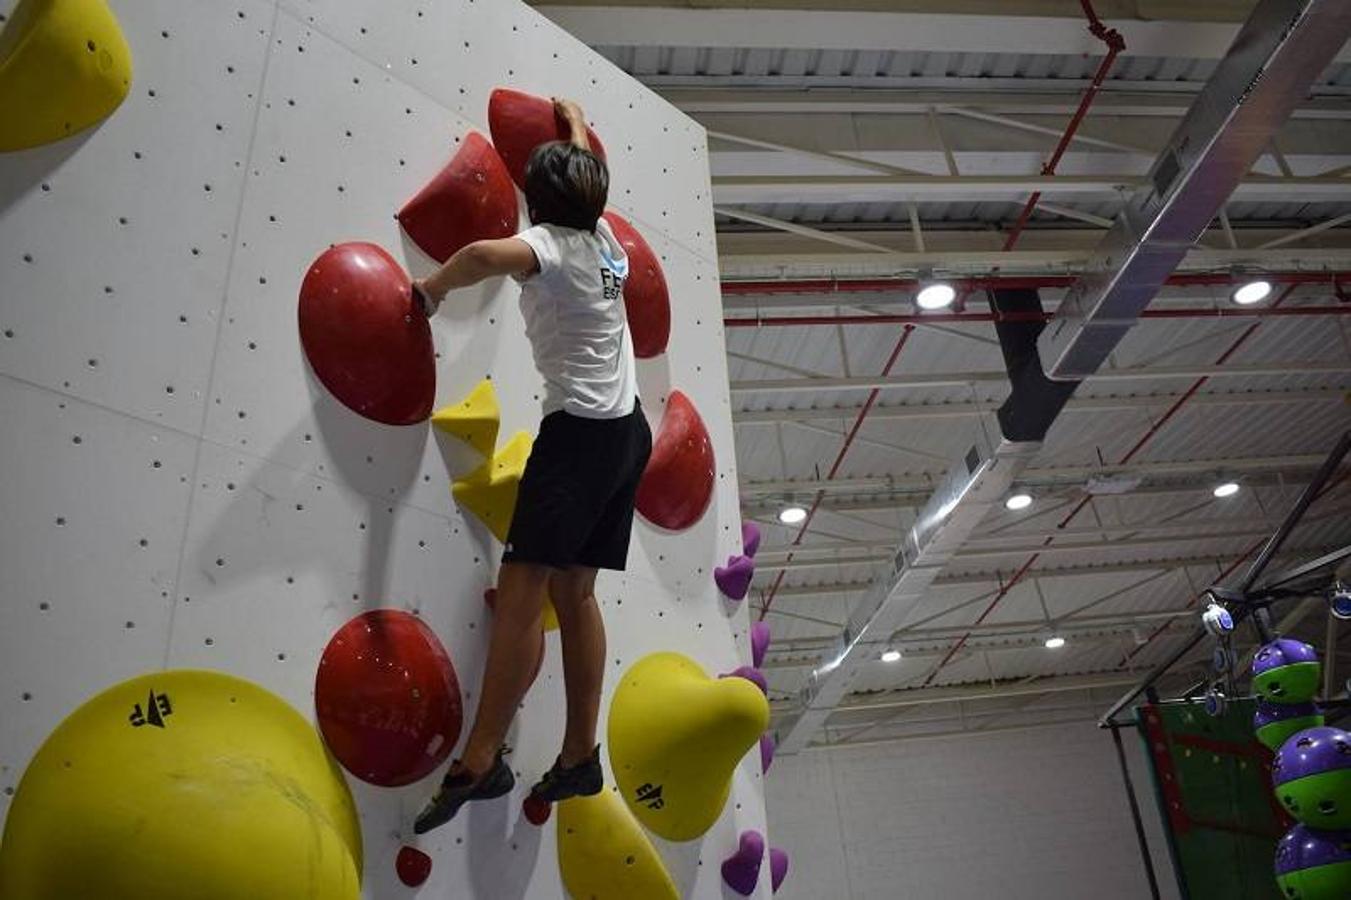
574, 509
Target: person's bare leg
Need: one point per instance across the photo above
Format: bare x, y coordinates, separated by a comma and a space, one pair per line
511, 660
583, 634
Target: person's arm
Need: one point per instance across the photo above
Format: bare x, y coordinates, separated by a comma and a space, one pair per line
571, 113
474, 263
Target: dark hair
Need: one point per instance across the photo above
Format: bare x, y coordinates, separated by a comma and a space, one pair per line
565, 185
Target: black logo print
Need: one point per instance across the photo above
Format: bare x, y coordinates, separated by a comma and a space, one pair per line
651, 796
158, 709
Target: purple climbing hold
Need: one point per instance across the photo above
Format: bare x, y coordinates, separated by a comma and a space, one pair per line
750, 538
734, 579
751, 674
1305, 848
778, 867
1282, 652
1312, 751
766, 751
759, 643
741, 870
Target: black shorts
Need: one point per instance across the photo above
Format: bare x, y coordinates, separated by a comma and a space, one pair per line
575, 504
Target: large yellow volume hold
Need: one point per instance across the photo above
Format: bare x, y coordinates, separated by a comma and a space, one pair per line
603, 853
474, 420
676, 736
182, 784
489, 491
64, 65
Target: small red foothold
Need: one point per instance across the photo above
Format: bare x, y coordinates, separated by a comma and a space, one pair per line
490, 598
536, 810
413, 866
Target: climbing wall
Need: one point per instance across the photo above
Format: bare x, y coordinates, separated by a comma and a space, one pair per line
1213, 784
178, 489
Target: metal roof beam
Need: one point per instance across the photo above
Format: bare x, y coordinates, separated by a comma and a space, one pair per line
1049, 476
907, 412
735, 189
892, 32
962, 379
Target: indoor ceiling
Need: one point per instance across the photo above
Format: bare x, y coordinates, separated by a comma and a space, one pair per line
863, 148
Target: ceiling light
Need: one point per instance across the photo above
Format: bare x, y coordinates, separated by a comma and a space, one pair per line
1055, 642
937, 295
1251, 292
792, 515
891, 656
1018, 501
1228, 489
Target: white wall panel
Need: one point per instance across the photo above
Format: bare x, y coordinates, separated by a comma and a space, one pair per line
1031, 815
275, 514
92, 510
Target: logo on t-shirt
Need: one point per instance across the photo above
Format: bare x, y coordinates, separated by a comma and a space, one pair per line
612, 277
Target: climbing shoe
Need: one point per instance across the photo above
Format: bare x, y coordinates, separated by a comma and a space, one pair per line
582, 780
459, 787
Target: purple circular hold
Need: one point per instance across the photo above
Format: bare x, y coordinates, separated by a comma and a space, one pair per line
759, 642
1312, 752
766, 752
778, 867
1282, 652
1305, 848
1268, 713
734, 579
741, 870
750, 538
751, 674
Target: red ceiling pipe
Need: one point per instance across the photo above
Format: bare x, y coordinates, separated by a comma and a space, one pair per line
835, 467
1115, 44
1130, 454
992, 316
1010, 282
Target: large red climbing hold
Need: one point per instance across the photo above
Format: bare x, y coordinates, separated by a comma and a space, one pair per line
521, 122
471, 199
362, 336
414, 866
387, 698
678, 483
646, 299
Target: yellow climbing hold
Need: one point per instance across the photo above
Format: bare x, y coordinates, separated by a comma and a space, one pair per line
474, 419
676, 736
489, 491
182, 784
603, 853
64, 65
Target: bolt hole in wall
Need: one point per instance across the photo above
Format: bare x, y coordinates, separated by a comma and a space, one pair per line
271, 138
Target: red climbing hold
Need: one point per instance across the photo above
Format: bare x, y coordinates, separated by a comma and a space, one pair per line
363, 338
678, 483
387, 698
646, 299
413, 866
536, 810
520, 123
471, 199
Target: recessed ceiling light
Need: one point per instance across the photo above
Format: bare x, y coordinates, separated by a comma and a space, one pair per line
1055, 642
936, 296
891, 656
1018, 501
1228, 489
1251, 292
792, 515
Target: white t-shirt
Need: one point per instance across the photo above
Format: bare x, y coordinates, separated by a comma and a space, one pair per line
575, 320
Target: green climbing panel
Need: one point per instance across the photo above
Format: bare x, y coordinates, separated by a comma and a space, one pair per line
1213, 783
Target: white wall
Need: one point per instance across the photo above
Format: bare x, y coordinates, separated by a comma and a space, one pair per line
220, 510
1024, 815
